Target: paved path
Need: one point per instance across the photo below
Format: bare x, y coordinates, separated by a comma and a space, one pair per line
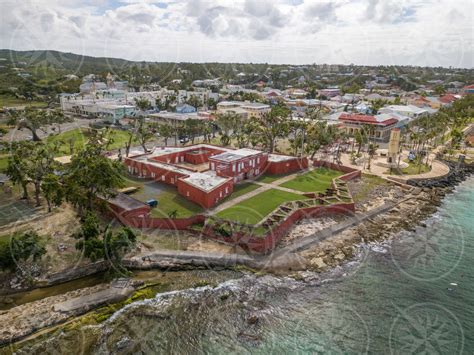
239, 199
281, 188
438, 169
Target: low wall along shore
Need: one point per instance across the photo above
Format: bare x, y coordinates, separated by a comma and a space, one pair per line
247, 239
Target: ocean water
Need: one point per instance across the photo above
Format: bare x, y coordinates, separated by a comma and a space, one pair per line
412, 295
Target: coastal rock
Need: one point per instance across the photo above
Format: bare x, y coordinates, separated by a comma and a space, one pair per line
252, 319
124, 343
318, 263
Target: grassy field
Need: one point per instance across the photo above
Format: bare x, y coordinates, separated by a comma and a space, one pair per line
9, 101
168, 200
240, 190
415, 169
3, 162
412, 169
254, 209
268, 179
79, 137
313, 181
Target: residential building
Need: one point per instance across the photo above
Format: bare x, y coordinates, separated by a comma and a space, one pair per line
255, 109
174, 118
185, 109
448, 99
110, 110
245, 109
330, 92
411, 111
468, 89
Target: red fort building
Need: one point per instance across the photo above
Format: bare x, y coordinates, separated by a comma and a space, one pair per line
206, 174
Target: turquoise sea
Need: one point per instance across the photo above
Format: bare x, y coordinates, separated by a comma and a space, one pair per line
412, 295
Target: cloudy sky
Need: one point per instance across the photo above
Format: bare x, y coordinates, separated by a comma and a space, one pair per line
418, 32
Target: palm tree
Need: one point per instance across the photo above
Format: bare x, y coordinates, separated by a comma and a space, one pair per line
371, 151
361, 139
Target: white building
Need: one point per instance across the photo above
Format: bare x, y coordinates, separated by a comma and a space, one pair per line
175, 118
90, 107
248, 109
411, 111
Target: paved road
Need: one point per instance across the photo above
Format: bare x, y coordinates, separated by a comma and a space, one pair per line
18, 135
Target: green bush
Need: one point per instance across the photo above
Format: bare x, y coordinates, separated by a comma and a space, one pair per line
20, 247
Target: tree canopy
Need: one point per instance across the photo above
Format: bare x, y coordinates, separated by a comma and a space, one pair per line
35, 119
92, 175
19, 248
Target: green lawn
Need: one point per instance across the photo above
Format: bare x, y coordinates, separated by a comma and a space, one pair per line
168, 200
79, 137
3, 162
317, 180
413, 169
268, 179
9, 101
254, 209
240, 190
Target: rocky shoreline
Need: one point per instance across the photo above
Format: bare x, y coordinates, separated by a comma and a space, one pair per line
26, 319
407, 215
456, 175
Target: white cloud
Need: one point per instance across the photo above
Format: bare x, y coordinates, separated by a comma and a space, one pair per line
422, 32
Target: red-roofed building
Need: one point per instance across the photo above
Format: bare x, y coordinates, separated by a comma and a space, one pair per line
447, 99
468, 89
419, 101
382, 124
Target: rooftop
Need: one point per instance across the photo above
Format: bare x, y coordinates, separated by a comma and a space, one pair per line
206, 181
229, 103
177, 116
170, 167
406, 108
278, 157
373, 120
126, 202
235, 155
255, 105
